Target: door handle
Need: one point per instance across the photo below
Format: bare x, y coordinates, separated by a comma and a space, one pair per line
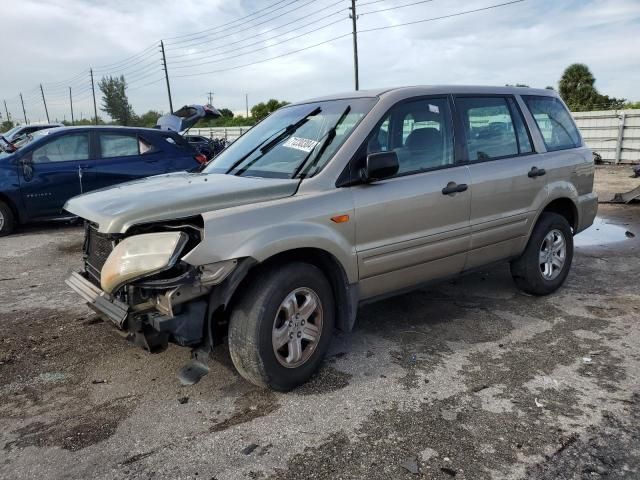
536, 172
453, 187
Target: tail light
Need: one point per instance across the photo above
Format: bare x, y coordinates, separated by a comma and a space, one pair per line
201, 159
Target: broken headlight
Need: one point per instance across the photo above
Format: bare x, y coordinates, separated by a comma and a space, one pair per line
139, 256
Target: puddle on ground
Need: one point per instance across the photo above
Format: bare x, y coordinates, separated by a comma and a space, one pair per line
601, 233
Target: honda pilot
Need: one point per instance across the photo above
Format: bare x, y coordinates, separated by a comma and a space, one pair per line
330, 203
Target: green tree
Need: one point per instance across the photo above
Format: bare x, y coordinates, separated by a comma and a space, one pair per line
115, 101
226, 113
6, 125
577, 89
148, 119
261, 110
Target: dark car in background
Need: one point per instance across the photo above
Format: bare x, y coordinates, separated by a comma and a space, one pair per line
22, 130
57, 164
209, 147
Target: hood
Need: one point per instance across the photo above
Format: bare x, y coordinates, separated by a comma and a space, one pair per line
173, 196
186, 117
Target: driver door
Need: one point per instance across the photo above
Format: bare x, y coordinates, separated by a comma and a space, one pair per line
49, 174
415, 226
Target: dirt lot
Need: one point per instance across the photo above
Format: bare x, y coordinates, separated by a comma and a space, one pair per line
469, 380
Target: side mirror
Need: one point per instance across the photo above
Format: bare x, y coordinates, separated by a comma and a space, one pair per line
379, 166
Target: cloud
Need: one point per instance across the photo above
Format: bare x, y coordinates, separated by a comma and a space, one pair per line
56, 41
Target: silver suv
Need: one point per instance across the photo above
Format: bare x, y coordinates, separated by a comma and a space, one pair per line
333, 202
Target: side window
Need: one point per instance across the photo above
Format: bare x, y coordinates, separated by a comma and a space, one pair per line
63, 149
489, 128
524, 141
116, 145
419, 132
555, 123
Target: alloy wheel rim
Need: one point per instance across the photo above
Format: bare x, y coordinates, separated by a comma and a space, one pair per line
297, 327
1, 221
553, 254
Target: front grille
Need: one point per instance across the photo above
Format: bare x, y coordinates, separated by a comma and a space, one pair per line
98, 247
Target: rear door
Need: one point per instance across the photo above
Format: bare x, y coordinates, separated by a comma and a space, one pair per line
49, 174
122, 156
506, 174
413, 227
567, 160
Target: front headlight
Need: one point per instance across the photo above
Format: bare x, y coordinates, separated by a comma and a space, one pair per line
139, 256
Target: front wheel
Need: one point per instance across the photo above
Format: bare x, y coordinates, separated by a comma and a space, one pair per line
281, 328
7, 221
545, 263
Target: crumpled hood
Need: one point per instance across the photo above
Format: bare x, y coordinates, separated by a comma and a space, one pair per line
173, 196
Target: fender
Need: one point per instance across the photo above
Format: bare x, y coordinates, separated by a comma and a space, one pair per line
260, 232
276, 239
557, 190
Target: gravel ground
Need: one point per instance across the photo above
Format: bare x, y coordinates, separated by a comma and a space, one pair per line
469, 379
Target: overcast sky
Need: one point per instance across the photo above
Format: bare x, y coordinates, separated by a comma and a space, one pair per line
56, 41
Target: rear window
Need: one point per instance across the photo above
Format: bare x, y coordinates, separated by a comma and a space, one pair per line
117, 145
558, 130
489, 127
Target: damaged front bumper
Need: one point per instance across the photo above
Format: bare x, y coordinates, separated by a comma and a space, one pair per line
99, 301
154, 323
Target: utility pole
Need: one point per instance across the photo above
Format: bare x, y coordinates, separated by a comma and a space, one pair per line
166, 75
71, 104
246, 101
23, 110
354, 18
93, 89
45, 104
7, 110
210, 94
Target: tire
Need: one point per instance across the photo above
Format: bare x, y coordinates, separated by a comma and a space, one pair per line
7, 220
528, 271
261, 311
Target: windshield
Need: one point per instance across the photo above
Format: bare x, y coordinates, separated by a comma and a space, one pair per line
8, 133
279, 145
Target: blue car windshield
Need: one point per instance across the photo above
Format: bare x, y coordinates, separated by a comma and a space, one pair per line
279, 145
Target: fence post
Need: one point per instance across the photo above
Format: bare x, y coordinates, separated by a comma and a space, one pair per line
620, 138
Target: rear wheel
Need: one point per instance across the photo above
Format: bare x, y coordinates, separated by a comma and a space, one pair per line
545, 263
6, 219
281, 328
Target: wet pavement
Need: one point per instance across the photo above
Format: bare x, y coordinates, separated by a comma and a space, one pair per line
603, 233
470, 379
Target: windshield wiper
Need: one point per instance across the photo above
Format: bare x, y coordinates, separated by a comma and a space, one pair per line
324, 143
271, 141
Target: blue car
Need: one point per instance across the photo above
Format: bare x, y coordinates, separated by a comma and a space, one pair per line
54, 165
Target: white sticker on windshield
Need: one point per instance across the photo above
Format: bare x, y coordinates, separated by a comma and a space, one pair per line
434, 109
304, 144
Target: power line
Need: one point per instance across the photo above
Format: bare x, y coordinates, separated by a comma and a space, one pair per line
259, 49
265, 59
225, 24
442, 17
395, 7
466, 12
207, 52
127, 59
209, 40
